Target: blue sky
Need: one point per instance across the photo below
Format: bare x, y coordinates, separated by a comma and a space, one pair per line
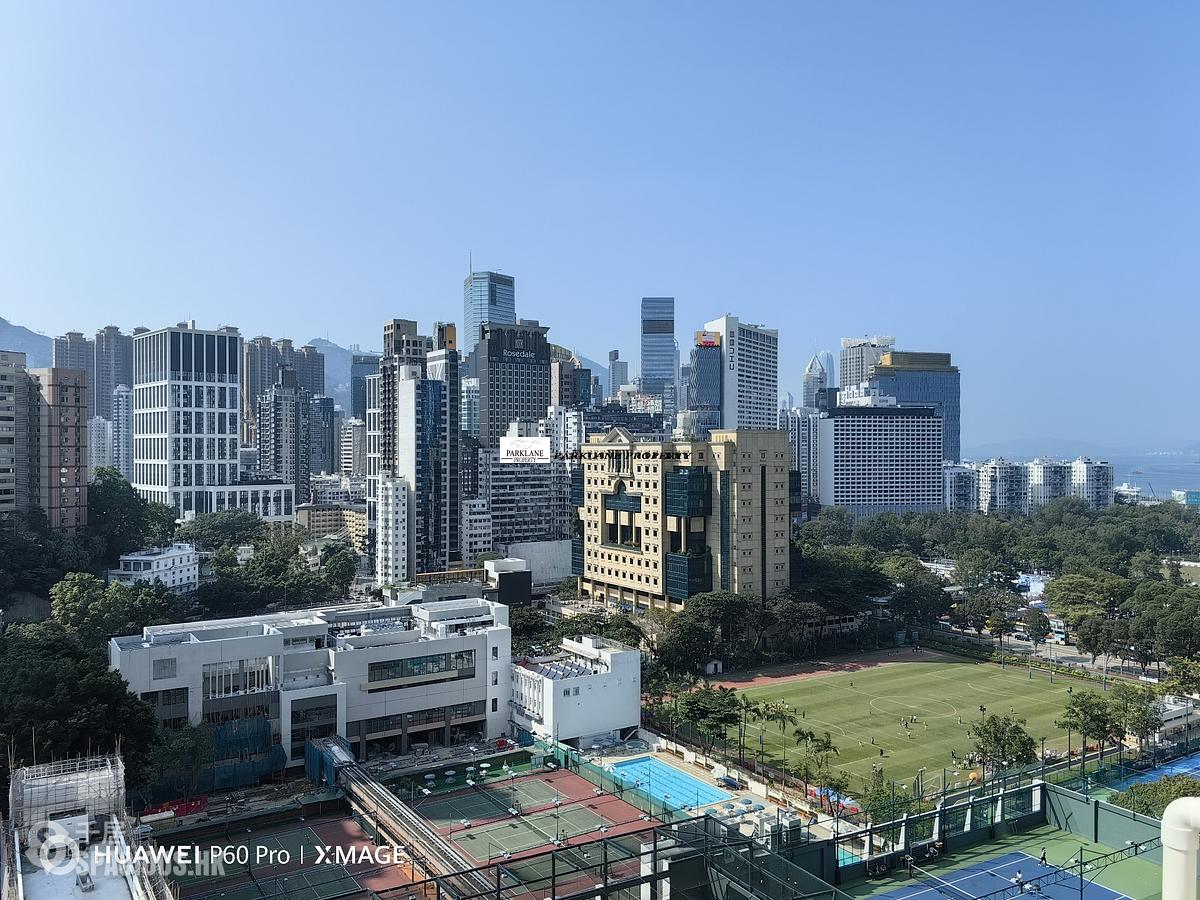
1017, 183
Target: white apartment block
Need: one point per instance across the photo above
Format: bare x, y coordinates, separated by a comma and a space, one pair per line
1048, 479
176, 566
880, 458
337, 489
590, 689
100, 445
960, 486
750, 384
186, 421
353, 448
385, 677
1092, 482
1003, 487
393, 556
476, 531
122, 431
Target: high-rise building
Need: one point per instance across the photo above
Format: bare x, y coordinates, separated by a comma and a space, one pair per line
353, 453
922, 379
562, 382
1003, 487
284, 440
476, 530
442, 364
100, 445
802, 425
1092, 481
114, 365
858, 355
392, 548
665, 521
875, 456
816, 377
58, 445
309, 363
324, 437
14, 430
706, 384
1047, 480
830, 366
512, 363
660, 354
122, 431
470, 407
487, 297
361, 365
186, 421
960, 487
73, 351
527, 501
618, 373
374, 457
750, 381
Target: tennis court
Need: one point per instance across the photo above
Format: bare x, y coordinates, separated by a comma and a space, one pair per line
1189, 765
491, 799
1013, 873
520, 833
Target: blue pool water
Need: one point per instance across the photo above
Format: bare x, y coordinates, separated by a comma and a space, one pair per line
666, 783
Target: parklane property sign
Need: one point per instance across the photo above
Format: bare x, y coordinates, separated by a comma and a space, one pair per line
524, 449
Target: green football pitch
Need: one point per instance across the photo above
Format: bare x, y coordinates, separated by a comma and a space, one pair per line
862, 708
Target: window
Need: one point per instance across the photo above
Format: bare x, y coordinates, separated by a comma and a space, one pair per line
164, 668
495, 708
495, 653
495, 678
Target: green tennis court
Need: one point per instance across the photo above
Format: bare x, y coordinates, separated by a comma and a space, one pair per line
478, 803
520, 833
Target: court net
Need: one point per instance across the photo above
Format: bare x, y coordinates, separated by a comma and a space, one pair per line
940, 885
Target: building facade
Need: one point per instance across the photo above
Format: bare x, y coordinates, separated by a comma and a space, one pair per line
706, 384
527, 501
512, 363
122, 430
353, 450
324, 437
960, 487
859, 355
58, 446
1047, 480
1092, 482
660, 354
14, 452
394, 557
1003, 487
177, 567
283, 432
618, 374
487, 297
100, 445
396, 678
361, 365
73, 351
750, 377
114, 366
880, 458
923, 379
664, 521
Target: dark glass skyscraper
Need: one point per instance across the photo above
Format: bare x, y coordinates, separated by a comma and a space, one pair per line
361, 365
658, 344
705, 383
923, 379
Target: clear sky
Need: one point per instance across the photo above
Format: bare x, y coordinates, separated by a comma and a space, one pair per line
1015, 182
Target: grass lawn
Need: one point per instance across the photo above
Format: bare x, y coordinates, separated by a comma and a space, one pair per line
862, 711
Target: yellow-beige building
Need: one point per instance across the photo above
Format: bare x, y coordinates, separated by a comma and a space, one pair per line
664, 521
321, 519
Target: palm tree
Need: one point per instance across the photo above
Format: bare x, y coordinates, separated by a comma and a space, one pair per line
780, 714
750, 710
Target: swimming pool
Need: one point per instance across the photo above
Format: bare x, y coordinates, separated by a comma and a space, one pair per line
667, 783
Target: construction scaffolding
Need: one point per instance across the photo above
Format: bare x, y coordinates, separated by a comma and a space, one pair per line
93, 786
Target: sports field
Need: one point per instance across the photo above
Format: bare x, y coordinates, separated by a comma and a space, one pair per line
862, 706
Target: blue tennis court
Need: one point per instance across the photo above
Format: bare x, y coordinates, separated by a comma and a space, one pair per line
666, 783
1189, 765
988, 876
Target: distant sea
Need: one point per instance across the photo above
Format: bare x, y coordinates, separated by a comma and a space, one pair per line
1161, 471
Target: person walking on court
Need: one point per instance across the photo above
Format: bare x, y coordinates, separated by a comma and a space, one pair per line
1042, 858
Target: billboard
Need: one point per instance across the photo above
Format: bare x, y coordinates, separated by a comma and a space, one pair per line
708, 339
524, 449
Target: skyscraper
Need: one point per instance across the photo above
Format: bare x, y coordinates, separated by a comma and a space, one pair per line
14, 412
830, 366
487, 297
618, 373
100, 445
705, 389
470, 407
309, 363
324, 436
750, 378
114, 365
660, 355
442, 364
284, 439
58, 445
858, 355
354, 446
815, 377
922, 379
512, 363
122, 431
392, 560
73, 351
263, 359
361, 365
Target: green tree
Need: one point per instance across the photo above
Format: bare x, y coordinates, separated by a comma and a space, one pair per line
1152, 799
1037, 626
1184, 677
1134, 709
1002, 742
999, 625
750, 710
179, 759
338, 569
920, 597
120, 520
228, 528
1089, 715
713, 711
98, 612
831, 527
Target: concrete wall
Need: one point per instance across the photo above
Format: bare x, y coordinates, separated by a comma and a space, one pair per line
1099, 822
549, 561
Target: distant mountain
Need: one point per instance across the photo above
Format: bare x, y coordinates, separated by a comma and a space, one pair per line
1029, 448
337, 372
36, 347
